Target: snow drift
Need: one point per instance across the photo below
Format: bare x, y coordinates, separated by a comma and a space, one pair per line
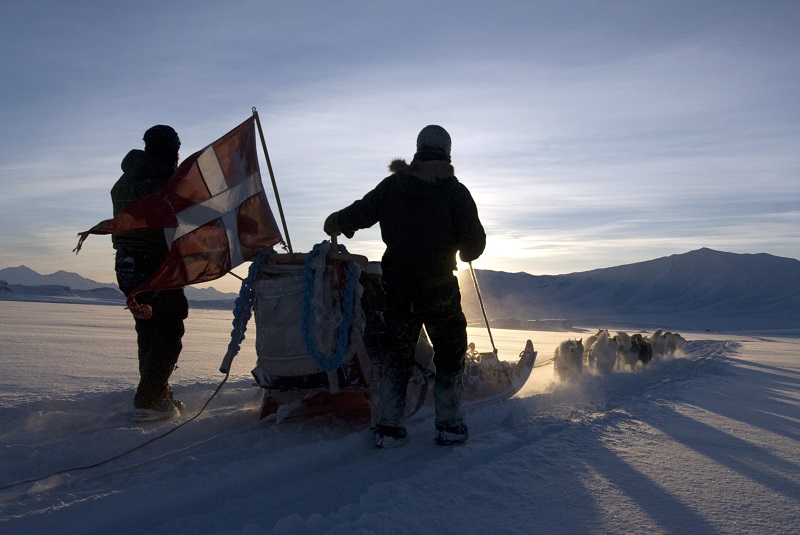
703, 443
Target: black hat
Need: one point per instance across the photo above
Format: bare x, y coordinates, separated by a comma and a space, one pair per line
162, 138
434, 138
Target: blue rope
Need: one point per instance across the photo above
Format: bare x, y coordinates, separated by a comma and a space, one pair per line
243, 307
348, 297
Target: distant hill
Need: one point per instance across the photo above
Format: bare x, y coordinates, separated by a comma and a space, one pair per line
23, 276
54, 293
705, 289
702, 289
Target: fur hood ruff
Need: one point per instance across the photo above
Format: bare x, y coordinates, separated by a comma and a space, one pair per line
431, 171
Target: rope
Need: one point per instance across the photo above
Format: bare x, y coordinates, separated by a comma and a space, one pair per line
540, 364
243, 309
480, 300
312, 278
124, 453
242, 312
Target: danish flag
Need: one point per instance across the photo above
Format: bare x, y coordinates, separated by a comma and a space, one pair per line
213, 210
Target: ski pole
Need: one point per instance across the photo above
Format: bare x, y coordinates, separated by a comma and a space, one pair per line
483, 309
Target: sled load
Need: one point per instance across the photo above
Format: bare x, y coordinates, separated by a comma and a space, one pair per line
319, 324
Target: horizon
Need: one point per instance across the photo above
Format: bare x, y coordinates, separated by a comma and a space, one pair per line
461, 268
590, 135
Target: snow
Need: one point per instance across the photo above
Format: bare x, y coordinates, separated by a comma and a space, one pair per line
707, 442
700, 289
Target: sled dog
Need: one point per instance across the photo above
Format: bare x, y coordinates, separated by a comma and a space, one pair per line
602, 356
626, 354
568, 359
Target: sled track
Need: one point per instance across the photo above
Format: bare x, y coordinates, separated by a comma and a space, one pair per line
496, 428
593, 398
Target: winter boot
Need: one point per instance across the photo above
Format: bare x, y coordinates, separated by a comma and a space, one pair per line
178, 404
388, 436
162, 409
449, 435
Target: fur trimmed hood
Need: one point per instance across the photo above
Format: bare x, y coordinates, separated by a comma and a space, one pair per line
426, 218
431, 171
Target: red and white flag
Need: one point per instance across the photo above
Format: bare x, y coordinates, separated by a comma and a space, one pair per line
213, 210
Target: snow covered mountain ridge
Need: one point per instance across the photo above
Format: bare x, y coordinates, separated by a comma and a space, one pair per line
703, 288
24, 281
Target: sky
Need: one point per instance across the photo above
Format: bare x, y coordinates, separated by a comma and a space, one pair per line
591, 134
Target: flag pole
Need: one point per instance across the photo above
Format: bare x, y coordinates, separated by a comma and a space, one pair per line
272, 177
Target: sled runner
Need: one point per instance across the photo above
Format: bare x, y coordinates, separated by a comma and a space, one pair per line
319, 321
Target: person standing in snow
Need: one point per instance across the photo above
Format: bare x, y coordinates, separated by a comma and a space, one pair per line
139, 253
426, 216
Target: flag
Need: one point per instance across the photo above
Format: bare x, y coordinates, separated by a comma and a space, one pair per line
213, 210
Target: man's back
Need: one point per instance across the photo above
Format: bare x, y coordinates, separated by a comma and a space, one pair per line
142, 175
426, 215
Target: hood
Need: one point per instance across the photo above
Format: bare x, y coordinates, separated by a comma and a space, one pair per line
432, 172
144, 166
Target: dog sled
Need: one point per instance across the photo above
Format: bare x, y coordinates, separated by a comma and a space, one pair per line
319, 325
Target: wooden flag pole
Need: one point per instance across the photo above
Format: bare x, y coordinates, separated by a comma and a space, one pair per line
272, 177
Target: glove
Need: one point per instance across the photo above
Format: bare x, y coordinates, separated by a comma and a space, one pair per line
331, 226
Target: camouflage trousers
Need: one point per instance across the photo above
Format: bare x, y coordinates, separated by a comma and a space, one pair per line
158, 337
439, 310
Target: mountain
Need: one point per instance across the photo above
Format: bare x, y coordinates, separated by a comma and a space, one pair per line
208, 294
25, 276
703, 288
29, 282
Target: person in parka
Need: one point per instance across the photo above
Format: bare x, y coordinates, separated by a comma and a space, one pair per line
139, 253
426, 216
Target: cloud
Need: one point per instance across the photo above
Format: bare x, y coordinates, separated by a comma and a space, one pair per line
619, 134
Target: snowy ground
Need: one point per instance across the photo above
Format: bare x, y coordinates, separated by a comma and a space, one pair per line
706, 443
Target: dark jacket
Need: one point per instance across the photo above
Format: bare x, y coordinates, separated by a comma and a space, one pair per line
426, 215
142, 174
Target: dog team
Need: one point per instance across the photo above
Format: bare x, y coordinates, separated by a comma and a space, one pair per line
603, 353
